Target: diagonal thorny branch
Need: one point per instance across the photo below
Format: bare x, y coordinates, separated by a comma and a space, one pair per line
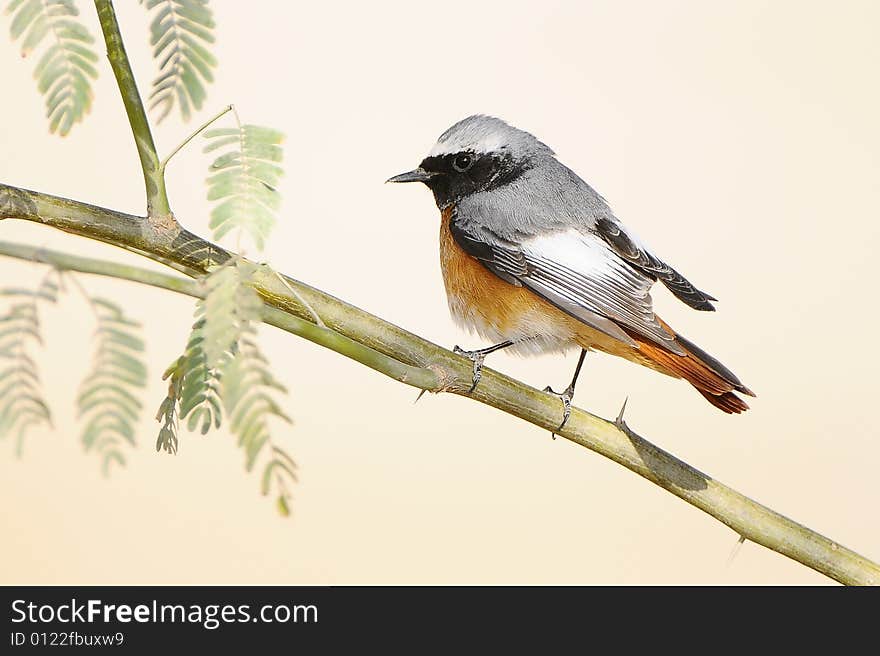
410, 359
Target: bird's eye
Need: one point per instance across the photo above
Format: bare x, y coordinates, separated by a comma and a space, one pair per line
462, 162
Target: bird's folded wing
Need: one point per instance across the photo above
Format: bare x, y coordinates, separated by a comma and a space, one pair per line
630, 250
578, 273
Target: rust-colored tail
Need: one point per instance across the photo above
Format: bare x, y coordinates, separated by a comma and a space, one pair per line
711, 378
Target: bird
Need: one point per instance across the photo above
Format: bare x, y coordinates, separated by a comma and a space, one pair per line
535, 261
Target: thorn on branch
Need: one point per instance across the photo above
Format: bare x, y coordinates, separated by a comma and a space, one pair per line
735, 550
619, 422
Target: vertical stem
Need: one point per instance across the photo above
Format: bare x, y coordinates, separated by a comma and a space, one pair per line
154, 180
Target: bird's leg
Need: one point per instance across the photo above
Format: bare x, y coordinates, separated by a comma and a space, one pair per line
568, 394
477, 358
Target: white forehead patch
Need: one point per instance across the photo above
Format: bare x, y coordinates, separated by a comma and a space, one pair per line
485, 143
486, 134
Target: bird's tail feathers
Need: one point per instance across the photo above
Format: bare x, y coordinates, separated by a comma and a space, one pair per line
711, 378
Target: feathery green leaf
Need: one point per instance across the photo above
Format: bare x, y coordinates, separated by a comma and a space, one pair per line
244, 177
227, 307
21, 402
180, 33
106, 401
222, 372
278, 473
167, 413
64, 70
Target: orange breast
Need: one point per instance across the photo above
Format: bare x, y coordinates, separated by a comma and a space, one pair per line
498, 310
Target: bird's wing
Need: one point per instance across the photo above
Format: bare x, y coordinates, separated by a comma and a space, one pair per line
577, 272
633, 252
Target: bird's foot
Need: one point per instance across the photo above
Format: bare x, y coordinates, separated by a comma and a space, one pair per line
477, 358
565, 397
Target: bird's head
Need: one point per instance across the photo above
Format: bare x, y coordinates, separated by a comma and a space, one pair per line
477, 154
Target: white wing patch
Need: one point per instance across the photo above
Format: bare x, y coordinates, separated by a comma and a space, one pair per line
582, 254
577, 270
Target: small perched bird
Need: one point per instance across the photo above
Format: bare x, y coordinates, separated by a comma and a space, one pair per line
534, 260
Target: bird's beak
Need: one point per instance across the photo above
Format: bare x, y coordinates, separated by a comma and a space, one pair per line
416, 175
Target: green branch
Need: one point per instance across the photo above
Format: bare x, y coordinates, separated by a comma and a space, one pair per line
154, 179
420, 363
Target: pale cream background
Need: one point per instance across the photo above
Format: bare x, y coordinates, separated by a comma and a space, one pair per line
739, 139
